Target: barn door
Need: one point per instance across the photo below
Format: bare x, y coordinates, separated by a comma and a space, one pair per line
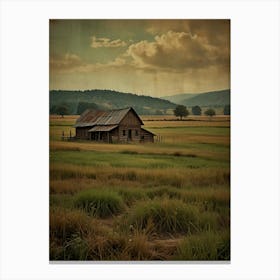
129, 134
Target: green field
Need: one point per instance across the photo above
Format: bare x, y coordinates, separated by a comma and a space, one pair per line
169, 200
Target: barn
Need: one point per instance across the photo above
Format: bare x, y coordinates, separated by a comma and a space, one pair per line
121, 125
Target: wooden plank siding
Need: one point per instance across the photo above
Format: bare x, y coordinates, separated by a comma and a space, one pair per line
82, 133
129, 128
146, 136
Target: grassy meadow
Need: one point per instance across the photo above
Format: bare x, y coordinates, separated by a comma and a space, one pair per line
168, 200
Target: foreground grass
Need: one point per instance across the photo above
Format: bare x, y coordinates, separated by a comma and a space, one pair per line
76, 236
100, 203
161, 201
210, 246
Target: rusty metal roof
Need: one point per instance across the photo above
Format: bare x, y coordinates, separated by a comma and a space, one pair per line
103, 128
96, 117
148, 131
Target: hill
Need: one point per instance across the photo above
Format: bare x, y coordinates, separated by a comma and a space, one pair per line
107, 99
178, 98
213, 98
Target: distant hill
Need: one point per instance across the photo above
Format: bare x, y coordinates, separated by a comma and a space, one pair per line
108, 99
178, 98
213, 98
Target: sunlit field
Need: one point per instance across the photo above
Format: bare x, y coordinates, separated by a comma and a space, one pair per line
168, 200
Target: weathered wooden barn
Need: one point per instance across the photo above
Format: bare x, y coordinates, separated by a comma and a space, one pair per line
122, 125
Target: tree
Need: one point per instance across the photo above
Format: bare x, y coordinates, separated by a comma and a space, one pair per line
227, 110
210, 113
62, 110
181, 111
196, 110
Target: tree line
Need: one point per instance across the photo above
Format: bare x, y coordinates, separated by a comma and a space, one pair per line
182, 111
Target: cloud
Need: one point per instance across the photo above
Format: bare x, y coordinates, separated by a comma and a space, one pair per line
189, 45
212, 30
177, 51
70, 63
106, 43
66, 62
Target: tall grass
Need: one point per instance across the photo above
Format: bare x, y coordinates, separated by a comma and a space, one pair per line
168, 216
70, 186
158, 177
131, 195
205, 246
99, 203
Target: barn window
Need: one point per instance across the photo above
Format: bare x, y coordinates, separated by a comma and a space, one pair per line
123, 132
136, 132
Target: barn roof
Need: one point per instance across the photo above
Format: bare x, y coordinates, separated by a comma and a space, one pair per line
96, 117
103, 128
148, 131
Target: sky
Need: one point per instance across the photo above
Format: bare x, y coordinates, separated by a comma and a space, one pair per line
149, 57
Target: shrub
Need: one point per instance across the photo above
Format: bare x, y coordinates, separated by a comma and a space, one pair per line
167, 215
131, 195
100, 203
65, 223
205, 246
75, 249
137, 248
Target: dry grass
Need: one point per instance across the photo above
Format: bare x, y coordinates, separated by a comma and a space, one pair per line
70, 186
186, 123
213, 246
150, 177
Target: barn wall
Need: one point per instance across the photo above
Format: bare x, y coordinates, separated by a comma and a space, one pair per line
115, 135
146, 136
130, 122
82, 132
135, 133
104, 137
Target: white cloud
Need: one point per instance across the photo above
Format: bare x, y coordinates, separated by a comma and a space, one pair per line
70, 63
176, 51
106, 43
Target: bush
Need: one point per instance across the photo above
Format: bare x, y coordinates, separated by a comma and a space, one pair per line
131, 195
100, 203
205, 246
65, 223
167, 215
